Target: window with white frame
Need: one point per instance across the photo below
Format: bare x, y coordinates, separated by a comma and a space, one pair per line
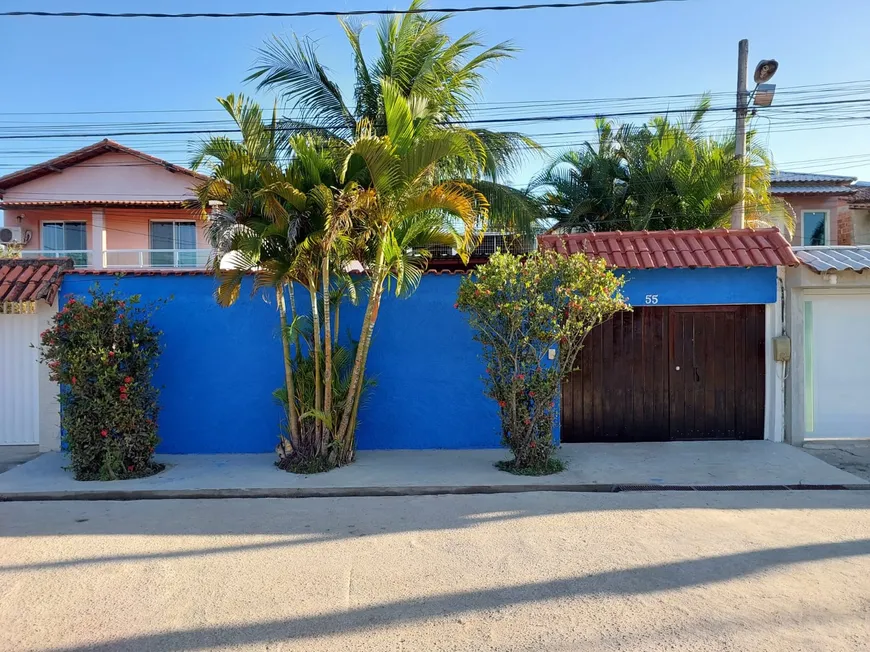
814, 228
178, 239
64, 237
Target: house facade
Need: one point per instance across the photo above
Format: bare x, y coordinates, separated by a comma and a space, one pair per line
822, 204
827, 316
106, 206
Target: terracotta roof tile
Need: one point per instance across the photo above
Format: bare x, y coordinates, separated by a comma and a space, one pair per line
32, 279
678, 249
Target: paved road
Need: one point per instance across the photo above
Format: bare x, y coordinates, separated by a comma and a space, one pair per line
524, 572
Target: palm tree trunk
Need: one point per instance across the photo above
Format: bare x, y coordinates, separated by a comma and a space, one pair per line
354, 391
327, 350
288, 370
318, 394
293, 315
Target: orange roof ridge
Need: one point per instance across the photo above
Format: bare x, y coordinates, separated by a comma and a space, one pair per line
710, 248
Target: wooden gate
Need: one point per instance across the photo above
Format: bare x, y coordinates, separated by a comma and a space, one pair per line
674, 373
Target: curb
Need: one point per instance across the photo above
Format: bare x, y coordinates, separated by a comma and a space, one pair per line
377, 492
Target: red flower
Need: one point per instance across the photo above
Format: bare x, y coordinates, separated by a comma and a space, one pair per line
532, 394
121, 303
501, 403
130, 468
73, 379
123, 397
128, 380
70, 302
532, 445
456, 305
527, 421
111, 354
521, 376
104, 433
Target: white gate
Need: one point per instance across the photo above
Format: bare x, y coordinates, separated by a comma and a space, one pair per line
19, 379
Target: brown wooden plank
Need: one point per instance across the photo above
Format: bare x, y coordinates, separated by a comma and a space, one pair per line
663, 366
598, 381
676, 385
729, 345
584, 393
618, 377
759, 314
688, 372
638, 427
750, 371
709, 424
740, 373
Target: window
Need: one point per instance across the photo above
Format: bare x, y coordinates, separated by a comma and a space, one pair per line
814, 227
176, 238
66, 236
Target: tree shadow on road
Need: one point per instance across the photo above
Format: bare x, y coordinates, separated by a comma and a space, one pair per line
625, 582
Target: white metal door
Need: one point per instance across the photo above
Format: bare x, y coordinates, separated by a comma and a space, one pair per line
837, 365
19, 379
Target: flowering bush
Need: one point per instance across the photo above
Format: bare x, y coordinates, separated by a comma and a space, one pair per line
520, 310
103, 353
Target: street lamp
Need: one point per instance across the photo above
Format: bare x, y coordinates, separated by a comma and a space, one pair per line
763, 96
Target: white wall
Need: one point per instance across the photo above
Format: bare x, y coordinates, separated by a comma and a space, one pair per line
842, 350
29, 412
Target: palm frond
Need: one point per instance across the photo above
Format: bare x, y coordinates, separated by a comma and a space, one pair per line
291, 67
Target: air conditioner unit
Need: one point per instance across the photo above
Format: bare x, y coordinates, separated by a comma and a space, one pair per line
11, 235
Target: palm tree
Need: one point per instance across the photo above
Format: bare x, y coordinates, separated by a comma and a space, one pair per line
417, 58
302, 210
257, 225
662, 175
394, 204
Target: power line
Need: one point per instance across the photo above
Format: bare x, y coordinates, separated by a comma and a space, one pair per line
334, 13
469, 122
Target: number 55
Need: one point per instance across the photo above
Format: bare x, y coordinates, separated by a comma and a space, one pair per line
651, 299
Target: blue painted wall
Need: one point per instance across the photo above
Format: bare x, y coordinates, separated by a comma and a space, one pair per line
221, 365
700, 287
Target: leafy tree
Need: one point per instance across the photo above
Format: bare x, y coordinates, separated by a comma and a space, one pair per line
520, 309
662, 175
416, 58
103, 352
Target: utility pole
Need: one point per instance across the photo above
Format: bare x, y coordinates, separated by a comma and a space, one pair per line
738, 213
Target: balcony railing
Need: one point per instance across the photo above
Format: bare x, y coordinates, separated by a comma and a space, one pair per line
160, 258
130, 258
490, 243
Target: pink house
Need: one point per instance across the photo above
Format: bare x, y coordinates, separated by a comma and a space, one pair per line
106, 206
823, 206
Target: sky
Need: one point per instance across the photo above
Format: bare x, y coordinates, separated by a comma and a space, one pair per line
570, 61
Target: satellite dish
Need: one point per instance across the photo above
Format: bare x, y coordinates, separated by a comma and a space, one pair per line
765, 70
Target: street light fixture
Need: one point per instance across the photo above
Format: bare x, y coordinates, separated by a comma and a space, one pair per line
763, 96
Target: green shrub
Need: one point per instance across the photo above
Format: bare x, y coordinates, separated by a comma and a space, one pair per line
520, 309
103, 352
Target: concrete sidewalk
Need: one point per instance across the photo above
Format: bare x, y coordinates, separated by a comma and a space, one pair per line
591, 467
